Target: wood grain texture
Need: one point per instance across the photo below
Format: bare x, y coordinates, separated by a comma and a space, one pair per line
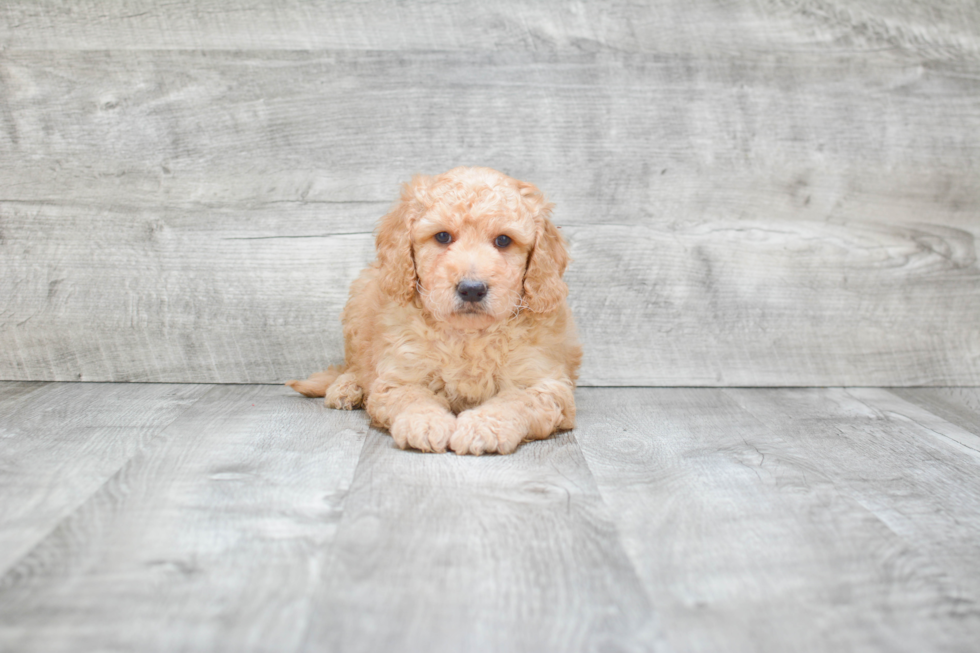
760, 533
208, 540
947, 431
960, 406
12, 394
214, 294
912, 471
446, 553
669, 520
781, 193
217, 295
607, 134
295, 25
941, 28
59, 443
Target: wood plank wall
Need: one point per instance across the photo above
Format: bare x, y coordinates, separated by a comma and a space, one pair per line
777, 192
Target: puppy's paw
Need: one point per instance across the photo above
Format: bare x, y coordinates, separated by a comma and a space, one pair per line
425, 430
487, 430
344, 393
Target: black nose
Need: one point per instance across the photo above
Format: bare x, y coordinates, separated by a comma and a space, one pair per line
471, 291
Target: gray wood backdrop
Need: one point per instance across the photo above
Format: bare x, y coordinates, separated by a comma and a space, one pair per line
772, 192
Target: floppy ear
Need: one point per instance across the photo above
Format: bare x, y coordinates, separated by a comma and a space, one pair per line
544, 289
393, 241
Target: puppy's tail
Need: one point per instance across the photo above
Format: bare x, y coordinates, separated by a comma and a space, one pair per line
317, 384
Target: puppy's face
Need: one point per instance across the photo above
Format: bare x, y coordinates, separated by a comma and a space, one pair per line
471, 255
474, 246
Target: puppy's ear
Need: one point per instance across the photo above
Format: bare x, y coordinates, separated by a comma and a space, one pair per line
544, 289
393, 242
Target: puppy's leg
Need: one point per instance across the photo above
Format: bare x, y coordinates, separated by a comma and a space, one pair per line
503, 422
344, 393
415, 416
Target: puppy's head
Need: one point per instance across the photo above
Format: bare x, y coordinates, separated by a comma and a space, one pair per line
475, 247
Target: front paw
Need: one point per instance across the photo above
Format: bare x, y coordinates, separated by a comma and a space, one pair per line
487, 430
428, 430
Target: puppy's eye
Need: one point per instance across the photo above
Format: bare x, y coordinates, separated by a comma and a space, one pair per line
502, 241
444, 237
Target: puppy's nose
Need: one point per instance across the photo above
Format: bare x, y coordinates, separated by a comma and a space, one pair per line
471, 291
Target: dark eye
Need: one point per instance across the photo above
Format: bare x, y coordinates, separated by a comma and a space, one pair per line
444, 237
502, 241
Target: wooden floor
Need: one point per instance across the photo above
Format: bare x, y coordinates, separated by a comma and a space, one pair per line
247, 518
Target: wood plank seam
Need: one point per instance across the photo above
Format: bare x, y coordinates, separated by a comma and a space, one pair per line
150, 442
949, 433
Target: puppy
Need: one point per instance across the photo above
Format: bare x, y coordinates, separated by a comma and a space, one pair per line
458, 336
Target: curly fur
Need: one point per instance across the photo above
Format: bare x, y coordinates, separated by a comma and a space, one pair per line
440, 373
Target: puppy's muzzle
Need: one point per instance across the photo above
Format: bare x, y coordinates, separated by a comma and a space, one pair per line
471, 291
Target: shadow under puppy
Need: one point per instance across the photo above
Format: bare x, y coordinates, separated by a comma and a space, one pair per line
458, 336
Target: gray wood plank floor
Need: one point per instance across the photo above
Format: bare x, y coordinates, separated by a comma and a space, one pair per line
246, 518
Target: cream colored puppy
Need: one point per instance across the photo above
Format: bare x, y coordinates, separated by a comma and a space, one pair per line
458, 336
